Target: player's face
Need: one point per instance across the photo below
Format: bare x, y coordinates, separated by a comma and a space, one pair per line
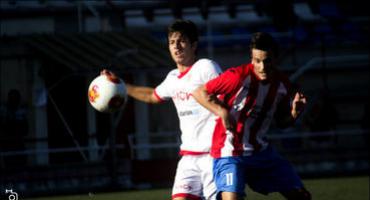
182, 51
263, 63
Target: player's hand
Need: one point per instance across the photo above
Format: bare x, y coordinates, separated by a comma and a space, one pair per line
227, 120
299, 103
108, 73
111, 76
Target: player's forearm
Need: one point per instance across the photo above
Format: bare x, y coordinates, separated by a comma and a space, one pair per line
203, 98
140, 93
294, 114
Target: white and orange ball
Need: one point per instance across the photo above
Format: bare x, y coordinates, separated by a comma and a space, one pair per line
107, 94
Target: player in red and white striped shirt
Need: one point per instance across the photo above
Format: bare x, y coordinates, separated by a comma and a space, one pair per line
250, 96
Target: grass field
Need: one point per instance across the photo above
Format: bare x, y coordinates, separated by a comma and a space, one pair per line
347, 188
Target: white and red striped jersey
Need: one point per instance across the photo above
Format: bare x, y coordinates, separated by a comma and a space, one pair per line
196, 123
252, 103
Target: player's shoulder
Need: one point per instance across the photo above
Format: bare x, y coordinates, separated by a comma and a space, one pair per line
206, 66
241, 69
283, 78
205, 62
173, 73
286, 84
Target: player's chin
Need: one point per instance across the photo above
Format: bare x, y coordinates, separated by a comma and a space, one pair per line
180, 61
262, 77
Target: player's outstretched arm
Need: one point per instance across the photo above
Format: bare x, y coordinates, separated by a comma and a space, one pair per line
145, 94
211, 103
141, 93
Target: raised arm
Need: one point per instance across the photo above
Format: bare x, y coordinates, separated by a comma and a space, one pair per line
141, 93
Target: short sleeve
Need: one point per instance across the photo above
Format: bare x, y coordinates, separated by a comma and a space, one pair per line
163, 90
225, 83
209, 70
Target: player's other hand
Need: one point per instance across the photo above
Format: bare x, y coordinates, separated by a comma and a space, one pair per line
111, 76
299, 103
227, 120
108, 73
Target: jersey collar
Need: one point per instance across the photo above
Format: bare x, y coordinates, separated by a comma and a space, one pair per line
182, 74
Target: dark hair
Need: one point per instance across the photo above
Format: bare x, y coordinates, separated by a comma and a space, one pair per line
265, 42
186, 28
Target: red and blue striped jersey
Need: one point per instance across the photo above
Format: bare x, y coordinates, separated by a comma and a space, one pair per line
252, 103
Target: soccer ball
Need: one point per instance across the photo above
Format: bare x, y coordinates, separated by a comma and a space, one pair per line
107, 94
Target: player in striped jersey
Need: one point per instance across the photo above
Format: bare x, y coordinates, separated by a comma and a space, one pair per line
250, 96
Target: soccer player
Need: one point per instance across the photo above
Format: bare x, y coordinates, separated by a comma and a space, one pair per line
250, 95
194, 177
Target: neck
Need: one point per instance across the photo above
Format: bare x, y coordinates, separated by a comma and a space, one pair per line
182, 68
185, 66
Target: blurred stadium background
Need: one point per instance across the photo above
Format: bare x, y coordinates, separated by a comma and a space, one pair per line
52, 142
